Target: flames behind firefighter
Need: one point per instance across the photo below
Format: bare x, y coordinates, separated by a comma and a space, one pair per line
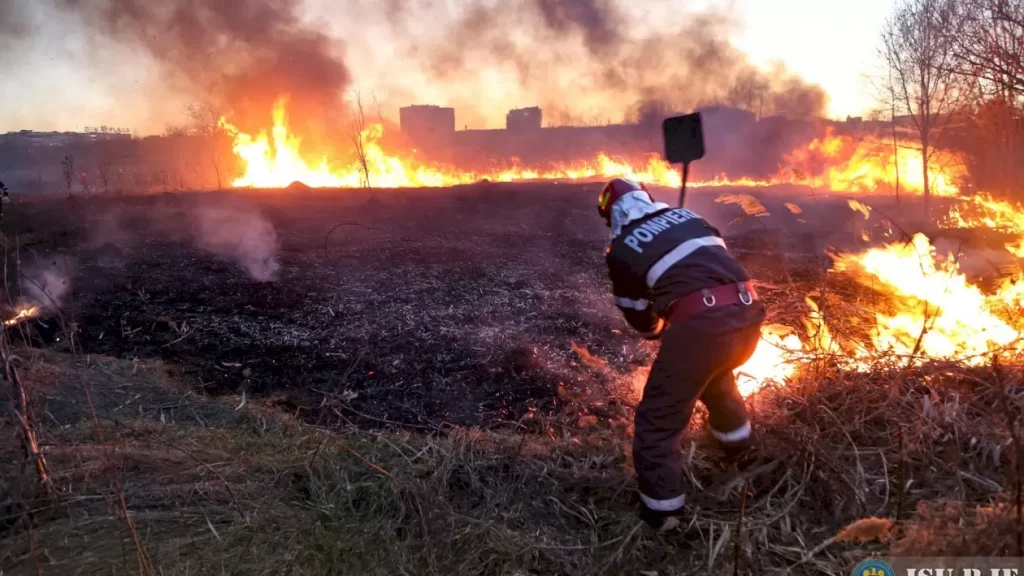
674, 281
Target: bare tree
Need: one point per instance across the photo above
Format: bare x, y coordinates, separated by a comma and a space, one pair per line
748, 92
995, 145
203, 119
68, 168
104, 170
216, 170
377, 105
989, 53
918, 44
889, 97
174, 130
990, 46
650, 113
357, 130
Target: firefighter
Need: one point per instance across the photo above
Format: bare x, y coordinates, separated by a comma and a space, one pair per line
674, 281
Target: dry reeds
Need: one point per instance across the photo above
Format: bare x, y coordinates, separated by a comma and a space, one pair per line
205, 488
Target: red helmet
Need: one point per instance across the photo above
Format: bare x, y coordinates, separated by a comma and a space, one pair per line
614, 190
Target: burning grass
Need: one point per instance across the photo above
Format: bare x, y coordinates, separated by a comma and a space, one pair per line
831, 161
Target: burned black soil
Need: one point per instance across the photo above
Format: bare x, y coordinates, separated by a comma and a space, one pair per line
414, 307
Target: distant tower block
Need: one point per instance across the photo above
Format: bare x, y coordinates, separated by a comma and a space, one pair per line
427, 122
523, 119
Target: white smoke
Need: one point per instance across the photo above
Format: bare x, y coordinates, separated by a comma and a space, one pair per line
225, 226
244, 236
47, 285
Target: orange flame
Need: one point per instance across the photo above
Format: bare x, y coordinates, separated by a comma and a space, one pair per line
279, 164
936, 312
834, 163
772, 360
23, 314
984, 211
275, 162
848, 164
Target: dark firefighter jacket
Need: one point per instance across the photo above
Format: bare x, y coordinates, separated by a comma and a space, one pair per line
668, 254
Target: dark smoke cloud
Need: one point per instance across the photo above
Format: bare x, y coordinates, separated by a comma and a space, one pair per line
15, 25
583, 61
598, 20
13, 19
562, 50
240, 54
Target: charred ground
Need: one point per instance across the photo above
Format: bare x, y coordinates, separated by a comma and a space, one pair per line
368, 366
421, 308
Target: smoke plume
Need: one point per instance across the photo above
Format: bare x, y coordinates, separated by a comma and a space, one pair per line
16, 24
240, 54
242, 236
582, 61
13, 20
579, 58
46, 285
223, 225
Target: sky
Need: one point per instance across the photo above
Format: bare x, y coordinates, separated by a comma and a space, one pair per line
65, 76
831, 42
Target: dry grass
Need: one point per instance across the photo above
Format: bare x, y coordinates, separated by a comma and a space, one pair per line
212, 488
152, 477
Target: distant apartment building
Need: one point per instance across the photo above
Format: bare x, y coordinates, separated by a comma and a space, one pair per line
737, 140
523, 119
523, 138
427, 122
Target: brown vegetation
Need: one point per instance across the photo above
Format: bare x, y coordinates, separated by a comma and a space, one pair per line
161, 480
152, 472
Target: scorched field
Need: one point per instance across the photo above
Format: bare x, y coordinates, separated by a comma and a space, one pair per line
470, 306
381, 381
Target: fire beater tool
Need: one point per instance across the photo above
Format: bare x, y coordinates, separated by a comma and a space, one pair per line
684, 143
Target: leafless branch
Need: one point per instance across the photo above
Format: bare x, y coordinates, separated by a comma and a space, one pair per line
918, 48
357, 132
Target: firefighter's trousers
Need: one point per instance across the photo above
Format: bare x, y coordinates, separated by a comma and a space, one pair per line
691, 365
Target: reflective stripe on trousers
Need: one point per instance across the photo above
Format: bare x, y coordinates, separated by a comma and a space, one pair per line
666, 505
736, 436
